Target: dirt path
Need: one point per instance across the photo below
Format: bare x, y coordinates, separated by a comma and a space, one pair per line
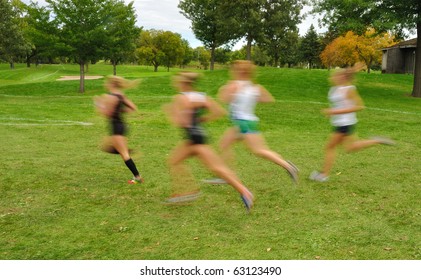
73, 78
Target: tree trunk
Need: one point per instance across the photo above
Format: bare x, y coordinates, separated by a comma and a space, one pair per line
155, 68
114, 68
212, 63
416, 91
248, 48
12, 64
82, 77
276, 60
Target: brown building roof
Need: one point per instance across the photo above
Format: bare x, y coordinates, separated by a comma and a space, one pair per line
406, 44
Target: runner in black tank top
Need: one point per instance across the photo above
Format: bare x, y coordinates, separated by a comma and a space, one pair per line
185, 112
116, 121
113, 105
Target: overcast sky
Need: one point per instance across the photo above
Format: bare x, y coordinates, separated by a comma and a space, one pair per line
165, 15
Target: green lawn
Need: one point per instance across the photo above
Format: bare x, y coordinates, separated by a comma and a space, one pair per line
62, 198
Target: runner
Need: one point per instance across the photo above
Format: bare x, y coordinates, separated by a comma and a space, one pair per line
112, 105
345, 102
187, 111
242, 95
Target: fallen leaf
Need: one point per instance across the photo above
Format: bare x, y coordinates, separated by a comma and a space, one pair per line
388, 249
268, 249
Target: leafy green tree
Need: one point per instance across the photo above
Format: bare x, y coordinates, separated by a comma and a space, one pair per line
172, 48
122, 33
310, 47
240, 54
382, 15
280, 19
222, 55
12, 40
244, 17
159, 47
203, 56
290, 54
259, 56
82, 28
208, 23
188, 53
146, 51
41, 32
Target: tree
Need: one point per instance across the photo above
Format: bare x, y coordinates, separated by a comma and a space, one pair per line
203, 56
245, 20
82, 28
147, 52
259, 56
222, 55
208, 23
159, 47
382, 15
240, 54
280, 19
188, 53
369, 44
12, 43
310, 47
348, 49
291, 55
40, 31
172, 48
121, 33
341, 52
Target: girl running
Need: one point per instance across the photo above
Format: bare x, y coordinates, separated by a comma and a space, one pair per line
112, 105
187, 112
345, 102
242, 95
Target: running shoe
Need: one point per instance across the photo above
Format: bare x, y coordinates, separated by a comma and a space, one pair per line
384, 140
183, 198
318, 177
215, 181
135, 181
248, 202
293, 172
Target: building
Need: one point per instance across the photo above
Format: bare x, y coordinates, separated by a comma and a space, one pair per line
400, 58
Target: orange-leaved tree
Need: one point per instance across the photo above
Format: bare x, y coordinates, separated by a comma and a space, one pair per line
350, 48
370, 44
341, 51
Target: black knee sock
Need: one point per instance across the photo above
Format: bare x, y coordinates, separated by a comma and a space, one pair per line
130, 164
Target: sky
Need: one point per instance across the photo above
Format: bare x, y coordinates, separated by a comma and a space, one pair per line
165, 15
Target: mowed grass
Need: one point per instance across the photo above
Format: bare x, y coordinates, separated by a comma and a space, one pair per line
62, 198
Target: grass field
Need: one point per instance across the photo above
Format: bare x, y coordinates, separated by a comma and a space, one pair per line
62, 198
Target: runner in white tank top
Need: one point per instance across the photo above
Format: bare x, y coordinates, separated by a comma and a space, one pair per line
242, 95
338, 97
244, 101
345, 102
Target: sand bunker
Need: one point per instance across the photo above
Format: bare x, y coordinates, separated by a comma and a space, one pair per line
73, 78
